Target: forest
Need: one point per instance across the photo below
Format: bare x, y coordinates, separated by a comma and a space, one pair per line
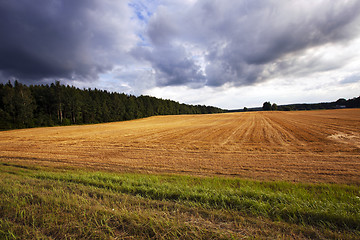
339, 104
23, 106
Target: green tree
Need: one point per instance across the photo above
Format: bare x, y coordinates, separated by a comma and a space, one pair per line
26, 105
57, 92
8, 101
274, 107
266, 106
19, 105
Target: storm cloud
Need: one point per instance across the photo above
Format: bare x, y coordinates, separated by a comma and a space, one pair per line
246, 42
63, 38
159, 43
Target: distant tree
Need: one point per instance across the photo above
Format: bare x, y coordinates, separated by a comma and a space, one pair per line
287, 108
266, 106
246, 109
353, 103
341, 101
274, 107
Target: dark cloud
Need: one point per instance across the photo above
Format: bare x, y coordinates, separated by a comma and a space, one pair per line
61, 38
249, 41
178, 69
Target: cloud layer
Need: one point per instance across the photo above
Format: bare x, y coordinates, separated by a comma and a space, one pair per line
246, 42
139, 45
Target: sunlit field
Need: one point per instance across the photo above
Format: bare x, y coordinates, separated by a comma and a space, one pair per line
312, 146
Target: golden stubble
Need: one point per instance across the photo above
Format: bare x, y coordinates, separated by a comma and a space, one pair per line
307, 146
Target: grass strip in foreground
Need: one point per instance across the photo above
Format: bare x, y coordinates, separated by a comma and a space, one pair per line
47, 203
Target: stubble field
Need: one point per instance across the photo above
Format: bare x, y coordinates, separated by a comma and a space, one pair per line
309, 146
258, 175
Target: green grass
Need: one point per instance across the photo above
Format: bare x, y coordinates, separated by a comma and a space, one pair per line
46, 203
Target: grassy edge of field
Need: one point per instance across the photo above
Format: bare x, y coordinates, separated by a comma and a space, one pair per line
45, 203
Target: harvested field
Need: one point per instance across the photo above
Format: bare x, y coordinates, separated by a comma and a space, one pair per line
307, 146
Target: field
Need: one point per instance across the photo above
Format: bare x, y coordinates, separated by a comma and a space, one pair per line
313, 146
285, 175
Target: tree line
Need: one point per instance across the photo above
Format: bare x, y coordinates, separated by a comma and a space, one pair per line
340, 103
23, 106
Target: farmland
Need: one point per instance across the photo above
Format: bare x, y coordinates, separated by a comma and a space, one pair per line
268, 175
313, 146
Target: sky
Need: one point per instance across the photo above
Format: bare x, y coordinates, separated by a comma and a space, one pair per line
223, 53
